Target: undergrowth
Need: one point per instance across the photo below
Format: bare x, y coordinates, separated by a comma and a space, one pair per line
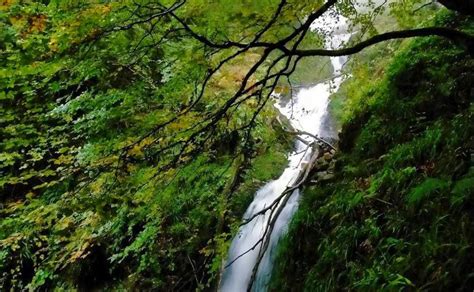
399, 214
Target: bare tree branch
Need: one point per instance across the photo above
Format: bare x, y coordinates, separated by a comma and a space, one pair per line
451, 34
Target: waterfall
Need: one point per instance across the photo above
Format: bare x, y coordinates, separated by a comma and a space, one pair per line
305, 111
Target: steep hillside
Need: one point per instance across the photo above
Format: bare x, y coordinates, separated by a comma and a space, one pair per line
399, 212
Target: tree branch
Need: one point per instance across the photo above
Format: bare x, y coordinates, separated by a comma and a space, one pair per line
451, 34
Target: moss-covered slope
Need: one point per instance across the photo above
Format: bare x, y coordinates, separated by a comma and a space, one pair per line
399, 213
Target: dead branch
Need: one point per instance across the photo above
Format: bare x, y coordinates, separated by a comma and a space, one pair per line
312, 136
269, 229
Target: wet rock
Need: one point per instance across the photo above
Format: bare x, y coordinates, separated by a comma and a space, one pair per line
321, 161
324, 176
322, 165
328, 176
327, 156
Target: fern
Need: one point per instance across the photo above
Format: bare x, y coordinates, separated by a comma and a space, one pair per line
426, 189
462, 190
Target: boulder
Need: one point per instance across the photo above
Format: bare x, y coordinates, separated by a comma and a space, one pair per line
324, 176
322, 164
327, 156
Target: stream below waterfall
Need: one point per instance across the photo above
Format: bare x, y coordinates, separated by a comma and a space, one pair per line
306, 111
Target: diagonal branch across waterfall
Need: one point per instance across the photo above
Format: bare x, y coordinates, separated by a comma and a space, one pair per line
284, 197
318, 147
294, 186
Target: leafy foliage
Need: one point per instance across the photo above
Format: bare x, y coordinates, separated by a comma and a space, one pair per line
80, 207
398, 215
119, 168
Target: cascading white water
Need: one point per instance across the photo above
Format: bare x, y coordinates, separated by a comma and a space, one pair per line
305, 112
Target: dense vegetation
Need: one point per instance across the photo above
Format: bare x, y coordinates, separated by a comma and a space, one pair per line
399, 212
133, 135
80, 211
